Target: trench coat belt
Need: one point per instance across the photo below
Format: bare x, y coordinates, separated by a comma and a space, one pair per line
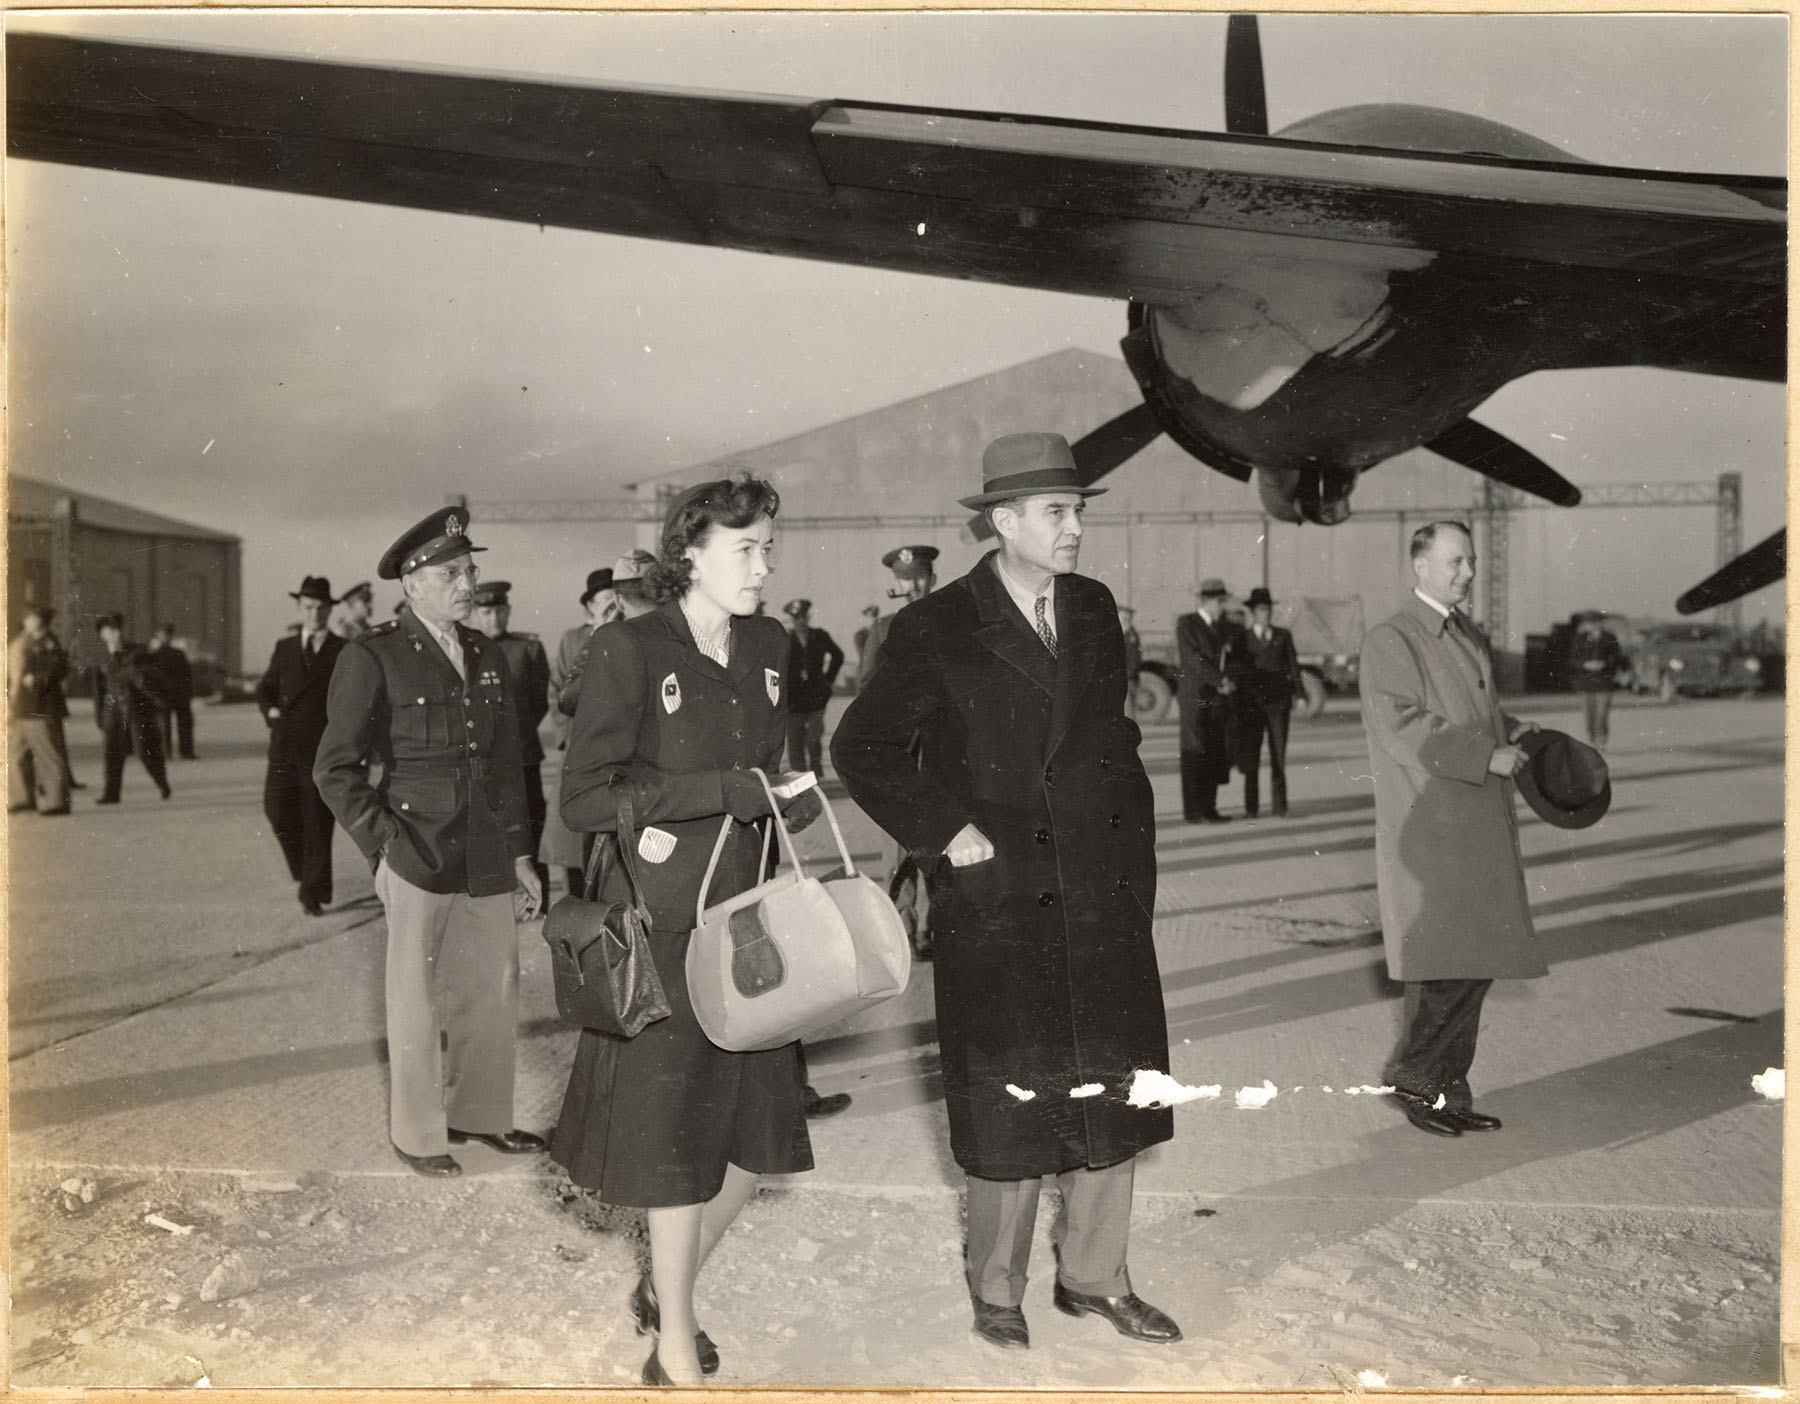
439, 770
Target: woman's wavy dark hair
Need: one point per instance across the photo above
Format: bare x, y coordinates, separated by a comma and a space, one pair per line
733, 502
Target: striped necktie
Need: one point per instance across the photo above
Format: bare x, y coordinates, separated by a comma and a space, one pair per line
1044, 630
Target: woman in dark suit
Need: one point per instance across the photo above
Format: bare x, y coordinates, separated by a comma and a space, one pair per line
675, 708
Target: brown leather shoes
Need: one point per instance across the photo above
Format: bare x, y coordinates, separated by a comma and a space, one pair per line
1130, 1314
1003, 1326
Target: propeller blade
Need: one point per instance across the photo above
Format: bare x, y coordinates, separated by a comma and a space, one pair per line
1495, 456
1246, 105
1096, 455
1763, 564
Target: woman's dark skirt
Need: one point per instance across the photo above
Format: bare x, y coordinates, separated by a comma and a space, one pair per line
653, 1121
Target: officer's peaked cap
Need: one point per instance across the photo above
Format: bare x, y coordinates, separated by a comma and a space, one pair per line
442, 536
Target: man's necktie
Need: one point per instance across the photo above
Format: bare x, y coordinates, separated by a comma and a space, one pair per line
1043, 627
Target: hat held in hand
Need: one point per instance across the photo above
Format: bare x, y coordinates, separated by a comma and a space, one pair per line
1563, 780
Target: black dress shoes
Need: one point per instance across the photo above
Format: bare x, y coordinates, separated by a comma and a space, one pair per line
312, 908
1471, 1120
818, 1108
1439, 1121
436, 1166
506, 1142
646, 1315
1003, 1326
1130, 1314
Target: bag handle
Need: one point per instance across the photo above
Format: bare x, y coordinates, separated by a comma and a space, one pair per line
625, 840
787, 844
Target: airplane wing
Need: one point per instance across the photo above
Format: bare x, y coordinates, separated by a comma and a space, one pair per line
1065, 206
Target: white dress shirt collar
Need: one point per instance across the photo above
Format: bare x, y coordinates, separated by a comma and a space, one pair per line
1026, 601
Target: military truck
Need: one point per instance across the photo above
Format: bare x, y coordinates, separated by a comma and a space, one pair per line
1328, 637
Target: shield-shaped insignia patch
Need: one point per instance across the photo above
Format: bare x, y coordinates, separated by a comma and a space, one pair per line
671, 694
772, 681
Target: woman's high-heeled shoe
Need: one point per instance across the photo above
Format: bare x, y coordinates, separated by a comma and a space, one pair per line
654, 1374
646, 1314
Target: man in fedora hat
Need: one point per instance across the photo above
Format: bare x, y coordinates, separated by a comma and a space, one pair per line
355, 606
599, 605
528, 666
813, 662
447, 835
1454, 911
291, 696
1267, 674
125, 709
1204, 642
991, 741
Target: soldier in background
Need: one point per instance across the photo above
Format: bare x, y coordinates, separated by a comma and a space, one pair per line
37, 775
291, 696
915, 576
1202, 642
529, 668
354, 609
814, 659
1596, 660
172, 680
125, 709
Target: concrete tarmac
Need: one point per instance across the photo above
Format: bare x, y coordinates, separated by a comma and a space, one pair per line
172, 1009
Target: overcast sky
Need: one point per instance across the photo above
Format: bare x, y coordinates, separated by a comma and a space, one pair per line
315, 375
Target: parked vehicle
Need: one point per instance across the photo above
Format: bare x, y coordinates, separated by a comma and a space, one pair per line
1693, 659
1327, 637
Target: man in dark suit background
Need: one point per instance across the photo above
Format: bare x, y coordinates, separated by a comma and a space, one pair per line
529, 668
1204, 693
1267, 673
445, 830
291, 696
172, 680
125, 709
813, 662
991, 741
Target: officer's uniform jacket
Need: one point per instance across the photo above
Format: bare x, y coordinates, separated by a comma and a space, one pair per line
449, 810
812, 670
660, 722
528, 666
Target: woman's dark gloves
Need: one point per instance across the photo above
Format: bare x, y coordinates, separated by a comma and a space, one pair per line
805, 808
745, 797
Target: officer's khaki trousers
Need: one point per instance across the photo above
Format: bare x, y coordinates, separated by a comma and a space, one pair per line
452, 968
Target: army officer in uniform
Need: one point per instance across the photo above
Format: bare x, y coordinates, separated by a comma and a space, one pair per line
447, 834
528, 668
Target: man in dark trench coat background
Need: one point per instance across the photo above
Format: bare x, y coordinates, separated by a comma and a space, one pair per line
1026, 804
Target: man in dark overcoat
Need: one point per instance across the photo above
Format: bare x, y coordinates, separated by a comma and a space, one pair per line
1267, 674
291, 696
1202, 641
125, 709
528, 666
1026, 803
813, 662
429, 699
172, 680
1454, 911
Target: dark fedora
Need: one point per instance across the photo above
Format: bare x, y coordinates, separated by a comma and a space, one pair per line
443, 536
314, 587
1259, 596
1022, 465
1212, 588
1563, 780
597, 581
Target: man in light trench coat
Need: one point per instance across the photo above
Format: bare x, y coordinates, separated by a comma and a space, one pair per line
1028, 809
1454, 912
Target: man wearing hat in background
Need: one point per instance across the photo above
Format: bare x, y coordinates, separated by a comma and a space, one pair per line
354, 608
37, 775
172, 681
291, 697
528, 668
992, 742
915, 576
1596, 660
600, 604
1203, 640
1454, 911
813, 662
1268, 677
125, 709
447, 834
